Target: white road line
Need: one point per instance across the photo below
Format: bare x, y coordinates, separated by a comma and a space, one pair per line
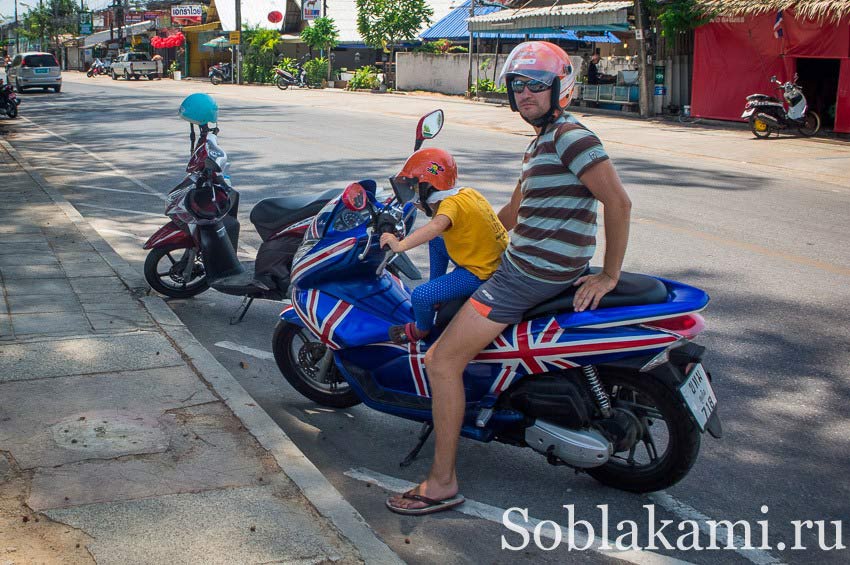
685, 512
258, 353
119, 210
97, 157
121, 233
494, 514
92, 187
78, 171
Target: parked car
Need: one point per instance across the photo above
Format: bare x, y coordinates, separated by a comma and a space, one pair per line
35, 70
135, 65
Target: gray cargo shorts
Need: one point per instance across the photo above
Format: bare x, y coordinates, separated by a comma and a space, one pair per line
509, 294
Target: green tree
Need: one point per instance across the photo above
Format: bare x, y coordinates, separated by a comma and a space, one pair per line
323, 34
384, 23
49, 20
677, 16
260, 46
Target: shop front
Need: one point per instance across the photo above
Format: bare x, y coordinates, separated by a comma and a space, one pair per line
735, 56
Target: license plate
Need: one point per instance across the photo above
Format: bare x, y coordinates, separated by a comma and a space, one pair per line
748, 113
699, 396
42, 71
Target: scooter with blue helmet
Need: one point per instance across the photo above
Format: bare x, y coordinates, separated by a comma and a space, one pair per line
620, 392
196, 249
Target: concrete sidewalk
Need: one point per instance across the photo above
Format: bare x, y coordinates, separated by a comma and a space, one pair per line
122, 440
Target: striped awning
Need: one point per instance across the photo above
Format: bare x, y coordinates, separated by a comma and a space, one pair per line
584, 16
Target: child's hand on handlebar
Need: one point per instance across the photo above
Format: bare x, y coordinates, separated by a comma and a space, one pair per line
391, 241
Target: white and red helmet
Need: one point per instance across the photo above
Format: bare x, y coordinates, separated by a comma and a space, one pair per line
545, 62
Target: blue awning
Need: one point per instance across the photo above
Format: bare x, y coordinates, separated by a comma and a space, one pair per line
454, 27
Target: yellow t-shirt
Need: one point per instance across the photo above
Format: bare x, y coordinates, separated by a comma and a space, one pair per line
476, 238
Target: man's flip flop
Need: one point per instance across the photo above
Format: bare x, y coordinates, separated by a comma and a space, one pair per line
432, 505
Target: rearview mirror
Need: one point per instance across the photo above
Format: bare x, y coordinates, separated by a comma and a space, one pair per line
428, 127
354, 197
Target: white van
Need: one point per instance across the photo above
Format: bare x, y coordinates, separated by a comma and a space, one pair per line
35, 70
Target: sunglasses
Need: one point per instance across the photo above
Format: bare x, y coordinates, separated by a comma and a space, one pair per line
533, 85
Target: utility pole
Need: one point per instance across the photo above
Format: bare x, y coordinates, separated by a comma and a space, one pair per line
17, 31
469, 75
644, 63
239, 43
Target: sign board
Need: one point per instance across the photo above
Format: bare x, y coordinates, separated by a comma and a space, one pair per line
660, 73
312, 9
638, 34
187, 14
85, 23
661, 91
234, 37
133, 18
99, 21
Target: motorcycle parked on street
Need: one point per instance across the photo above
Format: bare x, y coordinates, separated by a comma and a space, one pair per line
619, 392
221, 72
196, 249
768, 114
285, 79
98, 68
9, 101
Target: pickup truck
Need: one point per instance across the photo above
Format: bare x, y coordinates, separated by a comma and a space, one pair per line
135, 65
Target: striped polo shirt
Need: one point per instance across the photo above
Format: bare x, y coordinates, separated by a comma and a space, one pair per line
555, 235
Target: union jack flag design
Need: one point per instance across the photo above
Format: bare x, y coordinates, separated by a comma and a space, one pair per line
417, 367
521, 351
318, 258
322, 327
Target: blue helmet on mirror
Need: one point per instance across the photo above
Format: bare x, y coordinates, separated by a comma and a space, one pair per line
199, 108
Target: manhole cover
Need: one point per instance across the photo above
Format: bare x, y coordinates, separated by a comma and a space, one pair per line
110, 434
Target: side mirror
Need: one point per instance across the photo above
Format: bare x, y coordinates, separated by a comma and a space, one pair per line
428, 127
795, 77
773, 78
354, 197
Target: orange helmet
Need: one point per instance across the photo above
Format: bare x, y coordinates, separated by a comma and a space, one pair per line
545, 62
426, 171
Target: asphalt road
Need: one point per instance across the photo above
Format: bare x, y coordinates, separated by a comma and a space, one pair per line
761, 226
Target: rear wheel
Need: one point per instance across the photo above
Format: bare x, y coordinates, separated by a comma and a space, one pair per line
164, 268
812, 125
12, 110
18, 86
282, 83
114, 76
760, 128
668, 440
57, 89
90, 73
215, 78
301, 357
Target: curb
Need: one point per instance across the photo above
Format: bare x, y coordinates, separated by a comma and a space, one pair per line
312, 483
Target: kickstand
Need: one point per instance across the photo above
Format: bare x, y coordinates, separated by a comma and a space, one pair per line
242, 310
427, 428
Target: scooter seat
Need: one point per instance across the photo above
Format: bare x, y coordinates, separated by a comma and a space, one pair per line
632, 290
762, 97
270, 214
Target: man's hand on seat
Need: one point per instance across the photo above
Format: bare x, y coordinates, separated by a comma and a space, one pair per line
591, 290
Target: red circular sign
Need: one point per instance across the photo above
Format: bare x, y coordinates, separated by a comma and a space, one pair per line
275, 17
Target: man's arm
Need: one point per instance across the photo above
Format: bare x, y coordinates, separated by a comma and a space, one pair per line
602, 180
508, 213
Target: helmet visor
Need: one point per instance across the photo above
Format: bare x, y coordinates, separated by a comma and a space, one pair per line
405, 188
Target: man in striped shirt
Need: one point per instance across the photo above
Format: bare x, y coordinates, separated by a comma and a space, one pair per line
565, 174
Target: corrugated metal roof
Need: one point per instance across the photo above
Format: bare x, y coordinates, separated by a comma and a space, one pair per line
132, 29
585, 15
454, 26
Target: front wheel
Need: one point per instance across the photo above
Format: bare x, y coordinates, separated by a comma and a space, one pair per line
760, 128
301, 359
90, 74
282, 83
215, 79
164, 270
12, 110
114, 76
812, 125
667, 443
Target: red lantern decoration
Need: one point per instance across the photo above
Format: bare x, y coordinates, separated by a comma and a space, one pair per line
275, 17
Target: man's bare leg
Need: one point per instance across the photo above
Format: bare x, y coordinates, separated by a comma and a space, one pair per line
468, 333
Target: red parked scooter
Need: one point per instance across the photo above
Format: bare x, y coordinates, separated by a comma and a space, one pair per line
9, 101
